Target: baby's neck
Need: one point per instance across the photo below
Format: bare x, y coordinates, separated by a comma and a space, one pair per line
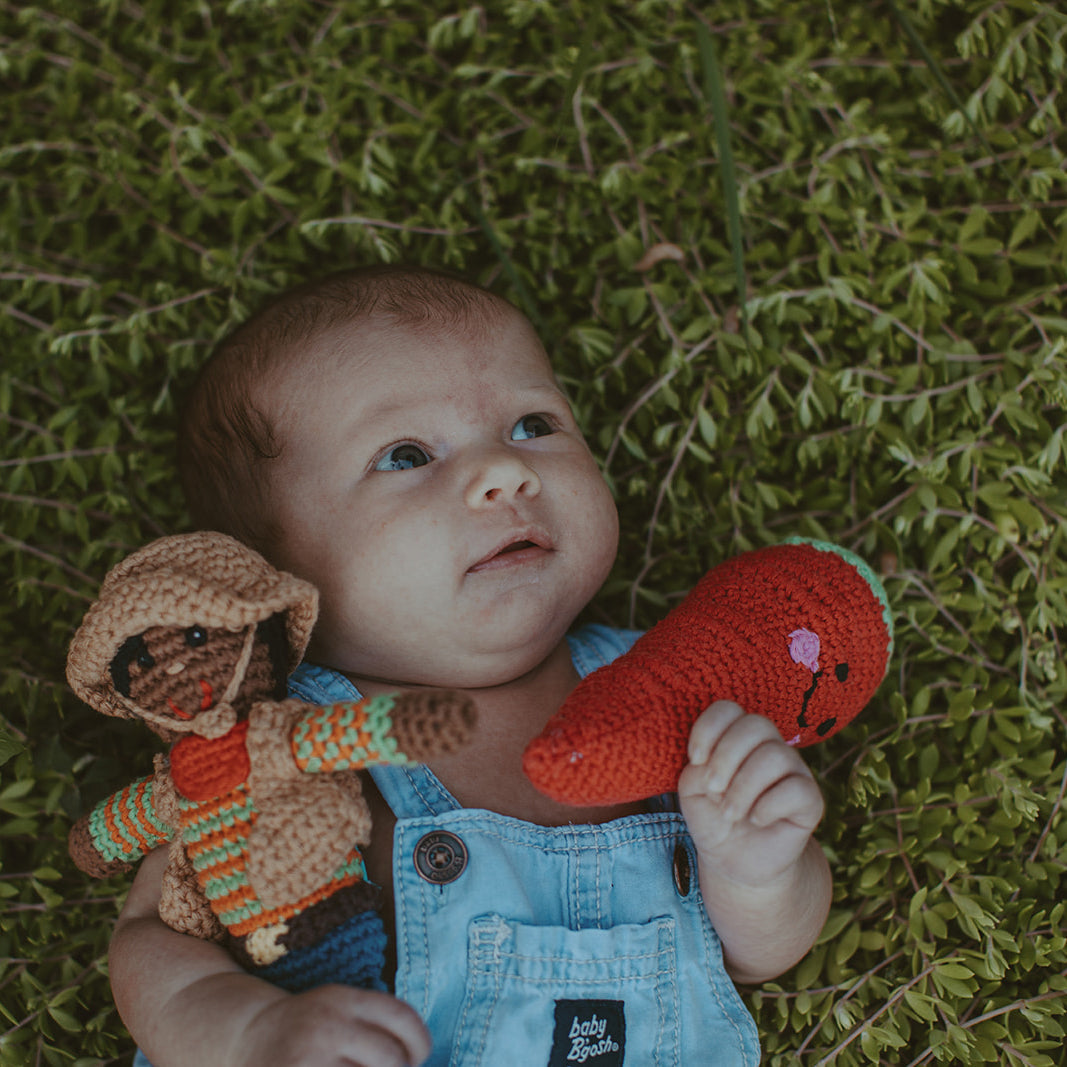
487, 772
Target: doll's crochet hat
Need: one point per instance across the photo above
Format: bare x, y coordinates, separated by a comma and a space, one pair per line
205, 579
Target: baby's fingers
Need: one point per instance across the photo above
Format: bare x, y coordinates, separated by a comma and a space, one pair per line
762, 768
795, 798
710, 728
336, 1026
391, 1034
724, 738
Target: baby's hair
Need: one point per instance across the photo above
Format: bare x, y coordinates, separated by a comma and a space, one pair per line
226, 431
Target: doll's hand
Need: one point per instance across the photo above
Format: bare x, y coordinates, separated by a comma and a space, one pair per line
336, 1026
748, 798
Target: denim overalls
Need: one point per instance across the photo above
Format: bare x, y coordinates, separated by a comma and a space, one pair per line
530, 946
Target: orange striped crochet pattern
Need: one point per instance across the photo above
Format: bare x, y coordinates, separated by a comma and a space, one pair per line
125, 826
800, 632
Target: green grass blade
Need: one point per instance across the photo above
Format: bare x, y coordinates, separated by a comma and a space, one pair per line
716, 99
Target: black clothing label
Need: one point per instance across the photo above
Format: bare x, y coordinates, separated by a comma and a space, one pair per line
592, 1032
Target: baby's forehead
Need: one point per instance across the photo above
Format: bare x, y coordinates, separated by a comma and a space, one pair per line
384, 359
372, 346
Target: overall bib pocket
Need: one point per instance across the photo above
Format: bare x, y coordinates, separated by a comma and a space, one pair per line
546, 996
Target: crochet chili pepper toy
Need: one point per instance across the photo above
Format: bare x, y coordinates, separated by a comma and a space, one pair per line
195, 635
800, 632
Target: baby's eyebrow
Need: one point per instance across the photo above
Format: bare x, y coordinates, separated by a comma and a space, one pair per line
383, 412
551, 388
396, 416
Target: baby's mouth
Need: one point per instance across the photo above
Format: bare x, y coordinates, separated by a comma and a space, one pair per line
513, 553
518, 546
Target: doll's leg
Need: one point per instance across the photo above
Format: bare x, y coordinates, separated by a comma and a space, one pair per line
339, 939
351, 954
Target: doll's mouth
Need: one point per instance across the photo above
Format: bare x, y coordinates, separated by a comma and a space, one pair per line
207, 696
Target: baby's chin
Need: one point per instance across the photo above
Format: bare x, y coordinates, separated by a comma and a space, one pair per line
484, 671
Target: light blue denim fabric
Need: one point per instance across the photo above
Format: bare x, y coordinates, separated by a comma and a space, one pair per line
553, 945
554, 942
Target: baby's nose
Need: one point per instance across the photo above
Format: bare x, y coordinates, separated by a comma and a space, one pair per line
500, 475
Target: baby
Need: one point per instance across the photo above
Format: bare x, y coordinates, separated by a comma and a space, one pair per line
397, 437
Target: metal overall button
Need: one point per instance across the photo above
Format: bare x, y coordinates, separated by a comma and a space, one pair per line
440, 857
683, 870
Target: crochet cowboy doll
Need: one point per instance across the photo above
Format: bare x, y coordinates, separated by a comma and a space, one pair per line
195, 635
800, 632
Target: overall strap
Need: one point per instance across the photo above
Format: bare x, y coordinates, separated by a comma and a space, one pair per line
594, 646
413, 792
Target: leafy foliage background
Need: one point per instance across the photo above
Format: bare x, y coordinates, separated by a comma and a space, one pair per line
893, 378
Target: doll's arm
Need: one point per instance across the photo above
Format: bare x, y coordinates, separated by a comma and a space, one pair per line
121, 829
353, 735
304, 760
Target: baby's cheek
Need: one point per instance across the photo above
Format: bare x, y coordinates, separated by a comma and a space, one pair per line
602, 525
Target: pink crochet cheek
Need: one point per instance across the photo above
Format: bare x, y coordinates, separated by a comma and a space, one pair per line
804, 648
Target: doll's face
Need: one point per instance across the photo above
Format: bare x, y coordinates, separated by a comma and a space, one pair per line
815, 637
834, 668
828, 702
178, 673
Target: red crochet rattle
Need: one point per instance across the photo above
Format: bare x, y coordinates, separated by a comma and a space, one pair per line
800, 632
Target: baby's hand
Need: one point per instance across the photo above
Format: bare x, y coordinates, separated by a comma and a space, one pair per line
748, 798
335, 1026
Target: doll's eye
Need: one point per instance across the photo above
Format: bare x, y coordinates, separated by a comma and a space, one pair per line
403, 457
145, 659
531, 426
841, 670
195, 637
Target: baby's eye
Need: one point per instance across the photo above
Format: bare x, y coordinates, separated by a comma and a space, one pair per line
402, 458
530, 426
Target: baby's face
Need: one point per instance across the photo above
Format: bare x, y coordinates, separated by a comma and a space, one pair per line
438, 492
